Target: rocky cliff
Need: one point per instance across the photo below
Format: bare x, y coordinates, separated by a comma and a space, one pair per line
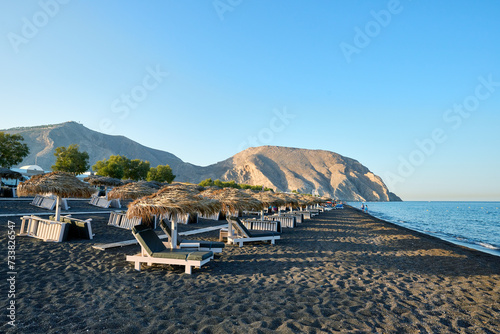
308, 171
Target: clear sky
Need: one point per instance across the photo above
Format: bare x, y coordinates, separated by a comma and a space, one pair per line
411, 89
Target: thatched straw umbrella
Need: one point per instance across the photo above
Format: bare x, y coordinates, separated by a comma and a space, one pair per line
103, 181
267, 198
302, 200
289, 199
188, 186
152, 184
133, 190
172, 201
97, 180
60, 184
232, 201
7, 173
10, 174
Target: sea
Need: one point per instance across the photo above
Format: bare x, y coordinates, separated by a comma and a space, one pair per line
472, 224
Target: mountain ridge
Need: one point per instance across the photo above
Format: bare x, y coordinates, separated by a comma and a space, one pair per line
280, 168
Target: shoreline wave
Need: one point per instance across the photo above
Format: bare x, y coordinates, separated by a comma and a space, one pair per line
432, 229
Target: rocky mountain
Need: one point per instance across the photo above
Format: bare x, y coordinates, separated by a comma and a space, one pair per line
43, 140
280, 168
322, 172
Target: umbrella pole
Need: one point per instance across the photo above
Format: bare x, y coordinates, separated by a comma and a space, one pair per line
173, 226
229, 226
58, 213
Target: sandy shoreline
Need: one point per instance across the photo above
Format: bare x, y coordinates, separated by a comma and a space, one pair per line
343, 271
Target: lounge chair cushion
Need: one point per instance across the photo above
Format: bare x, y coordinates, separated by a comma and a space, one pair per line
148, 239
205, 244
183, 255
167, 230
256, 234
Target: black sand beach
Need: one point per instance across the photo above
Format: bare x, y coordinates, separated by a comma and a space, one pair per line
343, 271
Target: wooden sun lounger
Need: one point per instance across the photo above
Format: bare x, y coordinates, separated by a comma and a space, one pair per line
262, 225
286, 221
305, 214
78, 228
119, 219
314, 212
201, 245
242, 234
104, 202
153, 250
45, 229
56, 231
48, 202
215, 216
299, 217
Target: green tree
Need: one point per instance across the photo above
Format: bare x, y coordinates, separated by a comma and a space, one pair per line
12, 150
161, 173
207, 183
112, 167
136, 169
232, 184
120, 167
71, 160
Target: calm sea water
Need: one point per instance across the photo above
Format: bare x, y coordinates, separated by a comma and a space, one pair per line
472, 224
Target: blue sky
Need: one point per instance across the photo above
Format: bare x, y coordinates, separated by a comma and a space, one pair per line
411, 89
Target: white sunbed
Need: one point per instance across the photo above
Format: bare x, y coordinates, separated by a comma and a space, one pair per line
242, 234
153, 250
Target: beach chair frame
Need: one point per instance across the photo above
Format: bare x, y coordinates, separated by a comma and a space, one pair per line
147, 256
242, 234
45, 229
215, 247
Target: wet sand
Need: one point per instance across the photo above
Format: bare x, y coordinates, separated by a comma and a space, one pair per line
343, 271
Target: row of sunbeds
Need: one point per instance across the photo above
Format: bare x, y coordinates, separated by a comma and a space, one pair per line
193, 253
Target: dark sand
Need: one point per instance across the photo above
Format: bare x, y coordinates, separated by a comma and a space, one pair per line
343, 271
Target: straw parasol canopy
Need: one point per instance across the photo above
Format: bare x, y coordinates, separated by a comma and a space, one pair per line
302, 199
289, 199
133, 190
10, 174
312, 199
58, 183
172, 201
61, 184
233, 200
188, 186
266, 197
152, 184
97, 180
